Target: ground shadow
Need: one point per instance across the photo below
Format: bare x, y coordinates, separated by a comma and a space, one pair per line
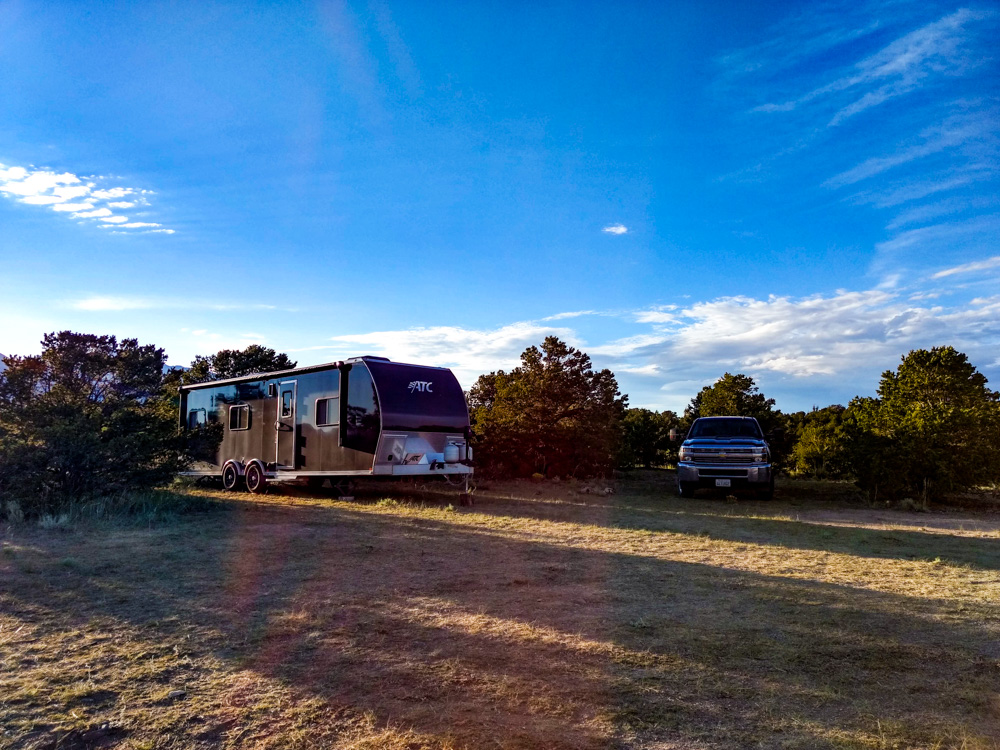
479, 636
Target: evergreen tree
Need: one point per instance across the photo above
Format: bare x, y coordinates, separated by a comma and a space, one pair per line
553, 415
934, 428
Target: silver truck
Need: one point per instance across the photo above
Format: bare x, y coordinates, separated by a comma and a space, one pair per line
725, 452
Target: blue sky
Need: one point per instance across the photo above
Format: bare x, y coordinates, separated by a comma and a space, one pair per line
799, 192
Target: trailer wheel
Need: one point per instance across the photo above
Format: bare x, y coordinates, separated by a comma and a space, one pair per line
256, 481
230, 477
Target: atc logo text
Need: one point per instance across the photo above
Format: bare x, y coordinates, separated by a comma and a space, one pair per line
421, 386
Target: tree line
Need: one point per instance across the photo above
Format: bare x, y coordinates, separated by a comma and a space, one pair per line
92, 415
932, 429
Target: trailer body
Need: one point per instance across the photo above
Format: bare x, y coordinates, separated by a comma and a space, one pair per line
365, 416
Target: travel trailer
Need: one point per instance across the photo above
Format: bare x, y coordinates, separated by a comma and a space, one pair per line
366, 416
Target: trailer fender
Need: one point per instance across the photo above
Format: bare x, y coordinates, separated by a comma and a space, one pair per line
256, 462
232, 474
240, 468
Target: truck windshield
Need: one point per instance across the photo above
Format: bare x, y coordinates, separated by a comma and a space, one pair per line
725, 427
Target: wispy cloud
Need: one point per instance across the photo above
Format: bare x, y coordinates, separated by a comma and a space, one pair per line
615, 229
982, 265
936, 49
925, 74
107, 303
568, 315
80, 197
954, 132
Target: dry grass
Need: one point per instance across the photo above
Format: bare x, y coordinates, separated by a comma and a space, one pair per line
541, 617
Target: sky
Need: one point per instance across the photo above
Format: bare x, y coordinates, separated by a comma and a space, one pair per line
801, 192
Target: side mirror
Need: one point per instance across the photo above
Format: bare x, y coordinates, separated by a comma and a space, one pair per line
674, 435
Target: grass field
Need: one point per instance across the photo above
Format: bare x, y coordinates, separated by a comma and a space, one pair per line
539, 618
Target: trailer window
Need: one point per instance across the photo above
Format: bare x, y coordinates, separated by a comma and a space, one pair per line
327, 412
196, 418
239, 417
286, 403
363, 420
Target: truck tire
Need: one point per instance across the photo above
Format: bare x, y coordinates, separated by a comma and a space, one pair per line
686, 489
255, 479
230, 477
767, 493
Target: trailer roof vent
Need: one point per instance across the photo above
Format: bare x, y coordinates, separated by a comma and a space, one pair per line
378, 359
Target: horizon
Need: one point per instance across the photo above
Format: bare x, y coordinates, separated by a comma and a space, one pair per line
799, 194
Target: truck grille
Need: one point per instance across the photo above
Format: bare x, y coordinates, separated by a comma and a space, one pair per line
715, 456
733, 473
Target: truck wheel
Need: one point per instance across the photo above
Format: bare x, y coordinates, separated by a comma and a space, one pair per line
686, 489
230, 477
256, 481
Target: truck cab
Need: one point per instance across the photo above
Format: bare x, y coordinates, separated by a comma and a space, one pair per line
725, 452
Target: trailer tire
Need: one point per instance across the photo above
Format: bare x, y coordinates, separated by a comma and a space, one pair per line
255, 479
230, 477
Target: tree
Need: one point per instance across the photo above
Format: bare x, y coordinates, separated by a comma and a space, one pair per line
934, 428
820, 443
79, 420
234, 363
646, 438
553, 415
736, 396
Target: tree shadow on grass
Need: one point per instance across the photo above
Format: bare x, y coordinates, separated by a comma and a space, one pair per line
716, 521
474, 637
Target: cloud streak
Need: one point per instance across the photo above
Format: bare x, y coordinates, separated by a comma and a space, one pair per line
80, 197
823, 340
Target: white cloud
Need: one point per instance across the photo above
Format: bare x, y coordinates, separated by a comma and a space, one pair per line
836, 343
468, 352
113, 193
93, 214
99, 302
41, 200
68, 193
661, 315
981, 265
112, 303
567, 315
615, 229
77, 207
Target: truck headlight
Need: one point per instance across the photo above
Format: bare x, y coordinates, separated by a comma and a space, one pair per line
684, 454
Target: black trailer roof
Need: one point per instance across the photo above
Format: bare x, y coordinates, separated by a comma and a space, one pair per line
311, 368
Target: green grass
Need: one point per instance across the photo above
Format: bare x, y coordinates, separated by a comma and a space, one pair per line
541, 617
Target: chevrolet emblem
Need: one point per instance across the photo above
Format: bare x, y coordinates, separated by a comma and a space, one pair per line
722, 455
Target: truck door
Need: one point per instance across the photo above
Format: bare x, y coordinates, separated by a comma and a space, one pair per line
284, 426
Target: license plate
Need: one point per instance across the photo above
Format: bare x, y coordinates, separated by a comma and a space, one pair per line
723, 483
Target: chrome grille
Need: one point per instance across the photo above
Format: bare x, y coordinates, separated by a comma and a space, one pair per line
715, 456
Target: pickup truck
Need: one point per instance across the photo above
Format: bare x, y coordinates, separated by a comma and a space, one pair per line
725, 452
